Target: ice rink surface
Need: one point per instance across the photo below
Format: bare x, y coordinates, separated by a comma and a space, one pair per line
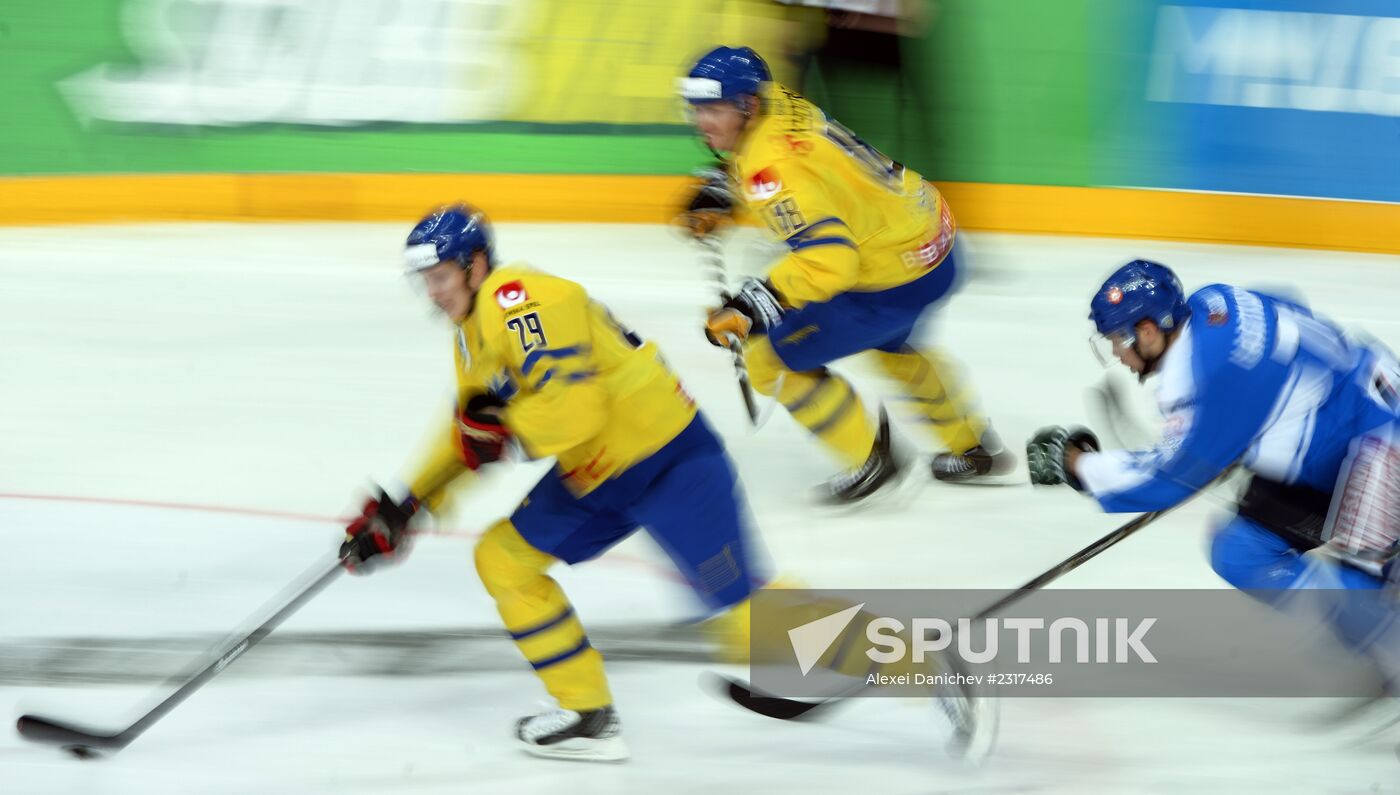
186, 408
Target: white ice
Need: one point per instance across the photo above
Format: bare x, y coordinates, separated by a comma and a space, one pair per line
184, 409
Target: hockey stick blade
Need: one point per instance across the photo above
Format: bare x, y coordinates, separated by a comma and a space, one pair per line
769, 706
66, 735
83, 742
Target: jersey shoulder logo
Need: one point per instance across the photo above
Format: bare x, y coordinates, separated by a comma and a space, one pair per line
764, 184
511, 294
1217, 311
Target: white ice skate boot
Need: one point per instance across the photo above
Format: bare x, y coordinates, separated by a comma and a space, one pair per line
592, 736
988, 463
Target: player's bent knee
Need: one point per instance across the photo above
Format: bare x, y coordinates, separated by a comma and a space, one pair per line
1250, 558
901, 365
505, 561
764, 366
1224, 561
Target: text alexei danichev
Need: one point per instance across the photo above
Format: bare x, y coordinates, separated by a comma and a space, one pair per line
885, 680
960, 679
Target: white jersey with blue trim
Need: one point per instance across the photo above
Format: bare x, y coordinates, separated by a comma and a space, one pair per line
1255, 379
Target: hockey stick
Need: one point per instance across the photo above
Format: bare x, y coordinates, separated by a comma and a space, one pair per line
86, 743
714, 263
788, 709
1123, 425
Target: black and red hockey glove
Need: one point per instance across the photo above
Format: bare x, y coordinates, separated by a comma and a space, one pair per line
481, 434
378, 535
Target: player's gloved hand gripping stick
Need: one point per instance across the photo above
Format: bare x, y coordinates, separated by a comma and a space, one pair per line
709, 208
714, 263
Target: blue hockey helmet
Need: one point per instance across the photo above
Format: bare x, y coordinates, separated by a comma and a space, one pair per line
1140, 290
725, 74
452, 233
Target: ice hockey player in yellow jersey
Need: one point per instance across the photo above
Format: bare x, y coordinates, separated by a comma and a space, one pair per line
870, 249
542, 367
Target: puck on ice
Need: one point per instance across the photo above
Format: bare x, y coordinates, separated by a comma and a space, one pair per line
81, 751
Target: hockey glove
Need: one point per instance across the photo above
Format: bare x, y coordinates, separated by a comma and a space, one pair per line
378, 535
711, 204
481, 436
1045, 454
752, 310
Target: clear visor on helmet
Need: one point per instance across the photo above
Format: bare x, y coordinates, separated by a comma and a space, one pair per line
417, 280
1107, 347
415, 283
440, 282
421, 269
435, 278
685, 109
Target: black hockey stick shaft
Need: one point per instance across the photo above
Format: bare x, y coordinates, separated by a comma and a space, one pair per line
1071, 563
44, 730
714, 262
1122, 425
741, 372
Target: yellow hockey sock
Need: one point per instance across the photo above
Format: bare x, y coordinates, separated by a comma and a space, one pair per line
729, 633
786, 605
935, 397
540, 619
824, 403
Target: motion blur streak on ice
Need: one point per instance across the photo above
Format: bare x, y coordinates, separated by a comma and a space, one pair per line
226, 365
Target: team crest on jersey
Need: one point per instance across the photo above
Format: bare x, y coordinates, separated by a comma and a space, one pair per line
1175, 430
765, 184
511, 294
1217, 311
1114, 295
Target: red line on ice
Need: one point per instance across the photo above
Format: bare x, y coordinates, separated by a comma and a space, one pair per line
300, 517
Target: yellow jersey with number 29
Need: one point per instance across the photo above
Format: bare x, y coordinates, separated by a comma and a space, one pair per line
577, 385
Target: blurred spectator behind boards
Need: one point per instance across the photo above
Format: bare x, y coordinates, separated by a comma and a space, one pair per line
860, 73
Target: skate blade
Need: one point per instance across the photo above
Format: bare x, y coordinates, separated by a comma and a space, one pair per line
973, 747
610, 749
984, 481
893, 495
